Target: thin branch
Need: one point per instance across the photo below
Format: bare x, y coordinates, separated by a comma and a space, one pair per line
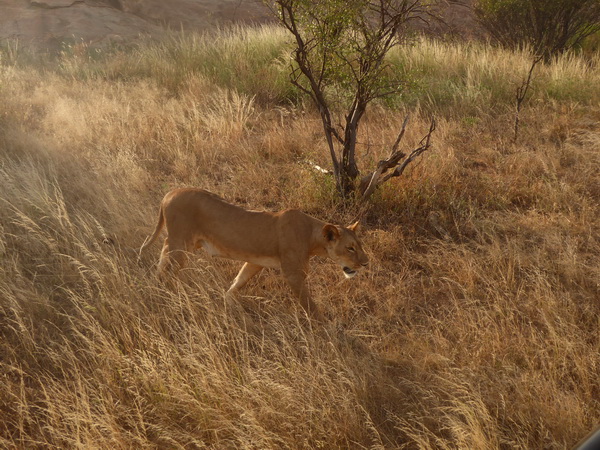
522, 93
336, 135
400, 136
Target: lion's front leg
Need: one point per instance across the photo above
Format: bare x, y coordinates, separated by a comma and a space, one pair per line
296, 278
247, 271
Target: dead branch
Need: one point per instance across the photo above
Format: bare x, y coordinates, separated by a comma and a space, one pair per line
423, 146
384, 171
371, 181
314, 166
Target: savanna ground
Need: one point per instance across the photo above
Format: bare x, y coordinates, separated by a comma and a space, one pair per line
476, 325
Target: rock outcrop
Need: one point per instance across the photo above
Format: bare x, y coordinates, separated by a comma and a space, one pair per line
49, 23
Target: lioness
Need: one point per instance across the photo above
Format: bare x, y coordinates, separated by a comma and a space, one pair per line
287, 239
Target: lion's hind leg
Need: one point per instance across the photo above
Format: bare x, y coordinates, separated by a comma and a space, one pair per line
173, 258
247, 271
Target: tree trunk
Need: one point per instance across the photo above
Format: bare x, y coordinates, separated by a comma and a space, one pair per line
349, 168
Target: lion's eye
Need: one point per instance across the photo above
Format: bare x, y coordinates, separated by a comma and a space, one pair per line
351, 249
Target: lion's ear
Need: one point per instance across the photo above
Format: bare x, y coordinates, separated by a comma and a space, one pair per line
331, 233
355, 227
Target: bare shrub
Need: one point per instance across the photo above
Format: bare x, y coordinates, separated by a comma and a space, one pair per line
547, 27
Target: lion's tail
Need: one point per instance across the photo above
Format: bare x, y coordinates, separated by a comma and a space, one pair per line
159, 226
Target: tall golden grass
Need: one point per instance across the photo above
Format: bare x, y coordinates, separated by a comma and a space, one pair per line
476, 325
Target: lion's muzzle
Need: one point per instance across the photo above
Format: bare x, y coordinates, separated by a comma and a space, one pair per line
348, 272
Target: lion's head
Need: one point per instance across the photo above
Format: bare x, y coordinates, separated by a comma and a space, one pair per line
344, 248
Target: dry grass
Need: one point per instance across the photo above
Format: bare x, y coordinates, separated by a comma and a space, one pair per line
475, 327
